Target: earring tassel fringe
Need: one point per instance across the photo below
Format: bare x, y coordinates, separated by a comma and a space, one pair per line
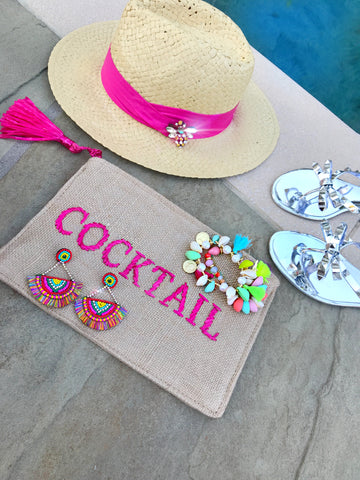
85, 309
39, 286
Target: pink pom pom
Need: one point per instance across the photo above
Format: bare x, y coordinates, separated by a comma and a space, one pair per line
253, 306
198, 274
257, 282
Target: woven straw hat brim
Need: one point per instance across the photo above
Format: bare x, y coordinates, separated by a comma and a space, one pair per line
74, 74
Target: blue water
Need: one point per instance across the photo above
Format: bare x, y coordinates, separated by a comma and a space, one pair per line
315, 42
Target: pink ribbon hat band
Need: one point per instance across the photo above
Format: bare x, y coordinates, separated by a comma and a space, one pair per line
172, 122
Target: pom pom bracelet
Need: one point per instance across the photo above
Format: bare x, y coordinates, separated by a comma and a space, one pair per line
249, 294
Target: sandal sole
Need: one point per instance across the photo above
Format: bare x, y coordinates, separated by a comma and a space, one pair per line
332, 292
305, 180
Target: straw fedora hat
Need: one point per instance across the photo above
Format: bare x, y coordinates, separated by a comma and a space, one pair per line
184, 54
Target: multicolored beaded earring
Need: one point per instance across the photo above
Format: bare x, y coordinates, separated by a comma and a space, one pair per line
100, 314
54, 291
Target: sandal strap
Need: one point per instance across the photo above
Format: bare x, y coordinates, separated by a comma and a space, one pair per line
303, 265
296, 200
299, 201
327, 191
334, 242
344, 272
350, 279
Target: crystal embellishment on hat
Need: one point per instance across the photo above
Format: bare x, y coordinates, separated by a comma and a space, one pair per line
180, 133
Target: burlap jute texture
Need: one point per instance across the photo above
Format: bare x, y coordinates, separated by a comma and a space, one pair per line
156, 339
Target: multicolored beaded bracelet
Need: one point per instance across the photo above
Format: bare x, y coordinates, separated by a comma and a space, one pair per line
250, 292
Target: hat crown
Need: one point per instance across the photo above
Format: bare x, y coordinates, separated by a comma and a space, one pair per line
182, 53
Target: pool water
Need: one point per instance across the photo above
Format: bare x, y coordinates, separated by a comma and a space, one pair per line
316, 43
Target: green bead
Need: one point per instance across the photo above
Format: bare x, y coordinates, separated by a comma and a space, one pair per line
246, 264
243, 293
191, 255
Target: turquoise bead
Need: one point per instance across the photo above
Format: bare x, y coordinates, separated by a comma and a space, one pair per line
210, 287
215, 238
246, 308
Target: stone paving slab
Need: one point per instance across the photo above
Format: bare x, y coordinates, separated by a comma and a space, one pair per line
65, 16
26, 44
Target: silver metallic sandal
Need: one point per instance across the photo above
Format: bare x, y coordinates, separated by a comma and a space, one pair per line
317, 193
316, 267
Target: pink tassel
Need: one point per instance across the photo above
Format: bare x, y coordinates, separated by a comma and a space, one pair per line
24, 121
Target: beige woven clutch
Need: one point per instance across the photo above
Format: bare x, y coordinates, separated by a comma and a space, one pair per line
112, 222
